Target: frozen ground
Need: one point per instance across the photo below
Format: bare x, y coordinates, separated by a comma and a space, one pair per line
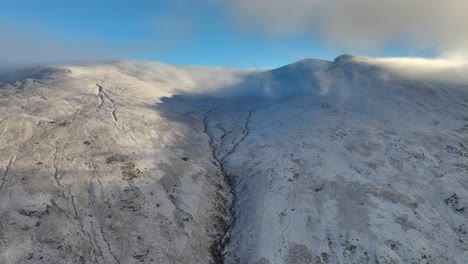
315, 162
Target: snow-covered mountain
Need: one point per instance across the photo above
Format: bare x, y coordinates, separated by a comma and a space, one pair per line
315, 162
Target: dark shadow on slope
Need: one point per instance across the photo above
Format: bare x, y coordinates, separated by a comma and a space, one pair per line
129, 207
290, 81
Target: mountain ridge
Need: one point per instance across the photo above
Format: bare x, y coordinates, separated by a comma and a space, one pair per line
317, 161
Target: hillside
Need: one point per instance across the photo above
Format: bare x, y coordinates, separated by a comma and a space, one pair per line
338, 161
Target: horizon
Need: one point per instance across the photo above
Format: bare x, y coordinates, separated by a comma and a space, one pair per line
244, 34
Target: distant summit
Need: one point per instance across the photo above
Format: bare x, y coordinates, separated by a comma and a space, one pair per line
344, 57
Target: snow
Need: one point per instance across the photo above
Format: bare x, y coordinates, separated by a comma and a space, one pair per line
348, 161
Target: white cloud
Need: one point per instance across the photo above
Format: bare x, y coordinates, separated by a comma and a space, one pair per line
434, 24
442, 70
20, 47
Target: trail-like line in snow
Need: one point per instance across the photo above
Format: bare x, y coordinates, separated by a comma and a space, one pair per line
245, 133
68, 195
218, 245
93, 202
220, 163
11, 163
103, 96
100, 97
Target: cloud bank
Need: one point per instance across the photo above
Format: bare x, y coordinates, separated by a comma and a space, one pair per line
19, 46
20, 49
453, 71
425, 24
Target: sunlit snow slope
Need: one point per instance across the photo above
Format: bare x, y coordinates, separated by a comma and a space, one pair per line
314, 162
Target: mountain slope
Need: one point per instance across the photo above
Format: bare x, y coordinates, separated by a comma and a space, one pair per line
92, 173
314, 162
371, 171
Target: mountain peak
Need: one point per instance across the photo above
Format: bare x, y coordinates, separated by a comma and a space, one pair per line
344, 57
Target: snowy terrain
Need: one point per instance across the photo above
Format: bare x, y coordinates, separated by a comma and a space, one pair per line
316, 162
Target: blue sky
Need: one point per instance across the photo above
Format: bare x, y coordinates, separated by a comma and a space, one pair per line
176, 32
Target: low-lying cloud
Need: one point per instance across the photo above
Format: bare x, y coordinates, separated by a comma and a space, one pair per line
20, 46
20, 49
440, 70
425, 24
